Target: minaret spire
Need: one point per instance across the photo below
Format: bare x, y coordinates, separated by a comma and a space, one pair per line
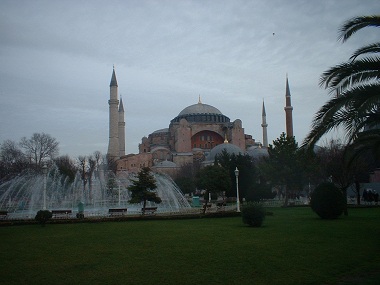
264, 125
113, 78
121, 125
288, 110
121, 106
113, 102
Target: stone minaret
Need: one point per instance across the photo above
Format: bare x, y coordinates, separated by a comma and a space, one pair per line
113, 144
121, 125
264, 125
288, 111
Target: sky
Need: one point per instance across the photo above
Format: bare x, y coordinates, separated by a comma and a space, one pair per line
56, 60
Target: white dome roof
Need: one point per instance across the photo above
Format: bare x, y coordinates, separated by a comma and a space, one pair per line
199, 108
230, 148
257, 151
201, 113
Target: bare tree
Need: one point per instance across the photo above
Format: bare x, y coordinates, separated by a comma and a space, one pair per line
92, 164
111, 164
82, 163
98, 157
66, 166
39, 147
12, 160
340, 170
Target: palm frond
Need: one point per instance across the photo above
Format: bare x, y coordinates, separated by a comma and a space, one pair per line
322, 124
353, 110
353, 25
346, 74
357, 104
367, 141
361, 98
372, 48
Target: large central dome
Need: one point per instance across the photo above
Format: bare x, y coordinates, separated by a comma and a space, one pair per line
201, 113
199, 109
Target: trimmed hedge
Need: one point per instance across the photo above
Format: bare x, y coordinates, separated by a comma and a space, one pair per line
253, 214
327, 201
43, 216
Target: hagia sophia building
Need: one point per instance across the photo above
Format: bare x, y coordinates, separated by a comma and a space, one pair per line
198, 133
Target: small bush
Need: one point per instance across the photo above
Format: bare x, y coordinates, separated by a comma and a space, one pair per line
43, 216
253, 214
327, 201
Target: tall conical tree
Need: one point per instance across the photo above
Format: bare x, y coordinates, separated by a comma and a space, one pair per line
142, 190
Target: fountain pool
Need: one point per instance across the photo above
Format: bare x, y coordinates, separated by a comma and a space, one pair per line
24, 195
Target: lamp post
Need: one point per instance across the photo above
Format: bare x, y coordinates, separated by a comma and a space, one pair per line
44, 171
237, 190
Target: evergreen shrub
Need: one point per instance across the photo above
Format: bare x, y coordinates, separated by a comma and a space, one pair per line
327, 201
258, 192
43, 216
253, 214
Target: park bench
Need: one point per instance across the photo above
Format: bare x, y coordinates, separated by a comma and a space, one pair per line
117, 212
149, 210
3, 214
61, 214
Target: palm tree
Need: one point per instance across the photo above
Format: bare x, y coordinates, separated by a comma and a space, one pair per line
355, 86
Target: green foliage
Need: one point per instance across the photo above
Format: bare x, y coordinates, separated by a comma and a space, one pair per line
336, 163
247, 172
288, 165
43, 216
258, 192
253, 214
214, 179
186, 184
327, 201
142, 189
281, 167
291, 232
185, 178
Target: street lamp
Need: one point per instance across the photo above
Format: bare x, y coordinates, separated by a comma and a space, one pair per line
44, 171
237, 190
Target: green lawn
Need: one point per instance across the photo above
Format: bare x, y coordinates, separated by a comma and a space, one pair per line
292, 247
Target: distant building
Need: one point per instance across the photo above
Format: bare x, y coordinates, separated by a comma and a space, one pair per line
198, 133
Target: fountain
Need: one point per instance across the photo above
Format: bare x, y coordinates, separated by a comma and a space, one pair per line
24, 195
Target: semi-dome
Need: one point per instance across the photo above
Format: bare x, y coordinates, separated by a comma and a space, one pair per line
201, 113
229, 148
257, 151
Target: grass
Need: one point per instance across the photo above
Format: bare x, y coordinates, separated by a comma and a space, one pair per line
294, 246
